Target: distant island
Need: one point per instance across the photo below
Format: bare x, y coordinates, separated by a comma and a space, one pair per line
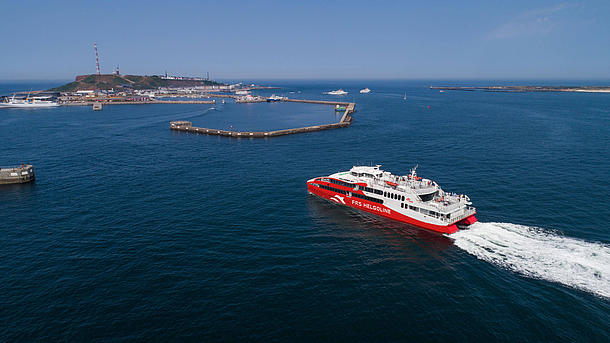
586, 89
114, 81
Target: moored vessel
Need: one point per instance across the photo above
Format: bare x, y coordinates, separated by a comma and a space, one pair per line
275, 98
12, 175
249, 99
407, 198
28, 102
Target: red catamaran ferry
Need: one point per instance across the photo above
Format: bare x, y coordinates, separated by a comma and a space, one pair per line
409, 198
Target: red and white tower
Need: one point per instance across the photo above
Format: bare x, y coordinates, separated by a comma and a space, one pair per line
97, 60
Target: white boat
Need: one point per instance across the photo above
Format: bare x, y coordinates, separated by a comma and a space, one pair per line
38, 102
337, 92
405, 98
365, 91
249, 99
274, 98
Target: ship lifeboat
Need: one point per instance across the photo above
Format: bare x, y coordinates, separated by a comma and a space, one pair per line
393, 184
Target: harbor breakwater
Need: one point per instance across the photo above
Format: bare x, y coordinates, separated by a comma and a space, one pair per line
346, 120
148, 102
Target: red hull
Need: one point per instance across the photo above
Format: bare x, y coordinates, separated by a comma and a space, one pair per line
381, 210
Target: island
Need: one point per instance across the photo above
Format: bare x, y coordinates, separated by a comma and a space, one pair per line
114, 81
516, 89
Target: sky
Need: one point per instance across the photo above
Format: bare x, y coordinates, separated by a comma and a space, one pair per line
509, 40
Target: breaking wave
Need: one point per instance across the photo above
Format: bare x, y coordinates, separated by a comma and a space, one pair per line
541, 254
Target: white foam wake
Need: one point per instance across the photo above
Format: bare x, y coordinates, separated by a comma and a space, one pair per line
541, 254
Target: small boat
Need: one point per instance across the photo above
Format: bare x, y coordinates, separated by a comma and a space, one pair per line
340, 107
365, 91
405, 97
22, 174
337, 92
274, 98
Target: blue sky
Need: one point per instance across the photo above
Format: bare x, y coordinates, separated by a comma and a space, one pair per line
309, 39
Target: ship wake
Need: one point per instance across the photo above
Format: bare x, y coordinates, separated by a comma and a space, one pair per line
541, 254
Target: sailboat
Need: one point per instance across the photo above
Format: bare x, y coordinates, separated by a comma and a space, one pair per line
405, 98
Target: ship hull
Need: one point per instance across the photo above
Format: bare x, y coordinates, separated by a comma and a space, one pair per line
380, 210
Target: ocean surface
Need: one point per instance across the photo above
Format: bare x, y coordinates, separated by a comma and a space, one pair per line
133, 232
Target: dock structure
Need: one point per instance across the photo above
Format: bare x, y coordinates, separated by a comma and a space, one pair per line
91, 103
321, 102
346, 120
22, 174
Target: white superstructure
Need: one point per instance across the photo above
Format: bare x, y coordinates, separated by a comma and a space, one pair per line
28, 102
337, 92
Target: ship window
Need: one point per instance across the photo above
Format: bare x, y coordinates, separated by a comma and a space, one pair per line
340, 183
402, 205
403, 198
428, 197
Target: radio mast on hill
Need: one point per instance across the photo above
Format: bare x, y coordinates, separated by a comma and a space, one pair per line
97, 60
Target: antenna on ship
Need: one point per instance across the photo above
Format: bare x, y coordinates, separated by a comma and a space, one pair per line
97, 59
414, 172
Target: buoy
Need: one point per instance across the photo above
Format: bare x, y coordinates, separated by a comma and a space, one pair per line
428, 106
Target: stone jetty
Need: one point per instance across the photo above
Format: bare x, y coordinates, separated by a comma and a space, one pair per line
346, 120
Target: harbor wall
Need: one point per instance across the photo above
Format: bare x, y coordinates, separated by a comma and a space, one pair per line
346, 120
89, 103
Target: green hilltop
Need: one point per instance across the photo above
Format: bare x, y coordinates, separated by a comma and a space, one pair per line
112, 81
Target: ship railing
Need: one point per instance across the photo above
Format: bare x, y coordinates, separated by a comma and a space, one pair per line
468, 211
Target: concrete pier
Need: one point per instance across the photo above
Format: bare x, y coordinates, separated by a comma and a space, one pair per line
22, 174
90, 103
322, 102
346, 120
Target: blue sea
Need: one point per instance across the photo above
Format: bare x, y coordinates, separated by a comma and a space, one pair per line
133, 232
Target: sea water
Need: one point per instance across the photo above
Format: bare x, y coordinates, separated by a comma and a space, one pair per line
135, 232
